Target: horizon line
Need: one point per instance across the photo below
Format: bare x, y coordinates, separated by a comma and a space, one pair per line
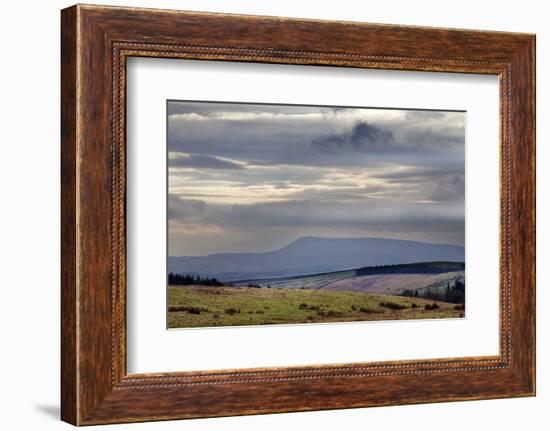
322, 238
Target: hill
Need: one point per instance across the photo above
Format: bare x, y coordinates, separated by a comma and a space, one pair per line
313, 255
412, 268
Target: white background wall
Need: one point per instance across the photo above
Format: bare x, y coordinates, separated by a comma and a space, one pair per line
29, 212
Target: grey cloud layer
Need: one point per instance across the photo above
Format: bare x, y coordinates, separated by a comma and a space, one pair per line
387, 216
288, 135
261, 169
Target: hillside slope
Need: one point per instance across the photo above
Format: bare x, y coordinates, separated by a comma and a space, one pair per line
310, 255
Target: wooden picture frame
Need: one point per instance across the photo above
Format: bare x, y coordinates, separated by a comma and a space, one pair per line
95, 43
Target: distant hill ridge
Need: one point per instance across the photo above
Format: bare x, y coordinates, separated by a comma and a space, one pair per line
310, 255
412, 268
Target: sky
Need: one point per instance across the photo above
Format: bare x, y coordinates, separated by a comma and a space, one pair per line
253, 178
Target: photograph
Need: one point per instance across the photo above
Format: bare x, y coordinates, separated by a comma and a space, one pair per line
300, 214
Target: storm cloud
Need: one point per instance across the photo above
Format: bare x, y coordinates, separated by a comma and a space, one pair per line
363, 137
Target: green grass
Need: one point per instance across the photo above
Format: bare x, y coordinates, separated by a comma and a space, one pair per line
227, 306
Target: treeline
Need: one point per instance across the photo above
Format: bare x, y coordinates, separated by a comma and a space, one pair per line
412, 268
188, 280
454, 293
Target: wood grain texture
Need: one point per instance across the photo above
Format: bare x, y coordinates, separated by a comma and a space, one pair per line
69, 397
96, 41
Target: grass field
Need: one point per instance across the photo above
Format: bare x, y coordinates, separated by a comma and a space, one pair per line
200, 306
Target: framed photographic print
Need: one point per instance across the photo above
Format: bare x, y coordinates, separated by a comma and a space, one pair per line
279, 214
268, 215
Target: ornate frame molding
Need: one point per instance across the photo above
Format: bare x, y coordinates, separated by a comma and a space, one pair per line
96, 41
